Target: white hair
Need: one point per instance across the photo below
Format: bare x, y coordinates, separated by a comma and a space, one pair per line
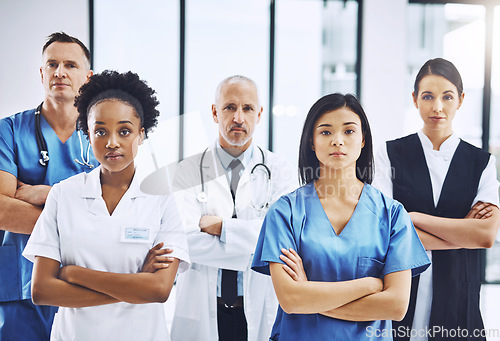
232, 80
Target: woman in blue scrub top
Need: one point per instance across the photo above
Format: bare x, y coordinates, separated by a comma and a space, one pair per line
340, 253
96, 229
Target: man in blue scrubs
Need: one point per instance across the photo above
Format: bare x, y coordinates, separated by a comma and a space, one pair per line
25, 180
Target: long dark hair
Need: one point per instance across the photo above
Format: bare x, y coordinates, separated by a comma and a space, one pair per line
309, 163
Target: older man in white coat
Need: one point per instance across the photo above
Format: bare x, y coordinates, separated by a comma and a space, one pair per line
224, 195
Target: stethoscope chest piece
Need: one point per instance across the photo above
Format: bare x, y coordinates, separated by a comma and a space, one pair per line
202, 197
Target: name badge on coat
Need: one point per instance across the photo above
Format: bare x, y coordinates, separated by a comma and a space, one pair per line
135, 235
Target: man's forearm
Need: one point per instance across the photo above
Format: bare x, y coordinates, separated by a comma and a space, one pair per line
17, 216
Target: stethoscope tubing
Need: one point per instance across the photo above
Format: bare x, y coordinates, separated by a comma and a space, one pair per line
40, 140
202, 196
42, 144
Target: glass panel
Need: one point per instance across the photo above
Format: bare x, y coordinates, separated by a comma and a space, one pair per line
132, 36
223, 38
24, 27
493, 254
454, 32
315, 55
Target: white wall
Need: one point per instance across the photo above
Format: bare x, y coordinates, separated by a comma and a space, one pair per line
24, 26
383, 67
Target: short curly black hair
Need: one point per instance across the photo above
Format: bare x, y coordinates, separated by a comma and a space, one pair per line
126, 87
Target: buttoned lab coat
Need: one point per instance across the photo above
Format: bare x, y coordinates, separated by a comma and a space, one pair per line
195, 316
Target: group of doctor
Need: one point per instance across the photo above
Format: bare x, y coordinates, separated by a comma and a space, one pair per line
257, 258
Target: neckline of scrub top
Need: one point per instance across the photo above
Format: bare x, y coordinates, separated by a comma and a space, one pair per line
316, 196
49, 131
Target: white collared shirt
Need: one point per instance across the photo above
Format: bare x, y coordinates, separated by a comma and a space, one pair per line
76, 228
225, 159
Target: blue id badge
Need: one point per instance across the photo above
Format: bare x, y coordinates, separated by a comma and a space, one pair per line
135, 235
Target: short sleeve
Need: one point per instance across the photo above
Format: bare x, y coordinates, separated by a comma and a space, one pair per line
487, 190
172, 233
8, 160
405, 248
276, 233
382, 179
44, 240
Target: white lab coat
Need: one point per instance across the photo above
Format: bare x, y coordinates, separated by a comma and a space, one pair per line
195, 316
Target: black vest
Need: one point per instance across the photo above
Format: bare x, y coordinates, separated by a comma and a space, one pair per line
456, 273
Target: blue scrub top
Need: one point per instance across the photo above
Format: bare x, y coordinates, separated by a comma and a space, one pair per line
378, 239
19, 156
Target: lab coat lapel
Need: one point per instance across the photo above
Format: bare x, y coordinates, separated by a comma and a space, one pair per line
211, 165
213, 170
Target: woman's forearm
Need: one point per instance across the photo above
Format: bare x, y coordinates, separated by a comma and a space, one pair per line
59, 293
314, 297
389, 304
431, 242
464, 233
136, 288
47, 289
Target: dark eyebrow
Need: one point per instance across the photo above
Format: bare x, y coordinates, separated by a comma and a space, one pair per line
64, 61
453, 92
324, 125
121, 122
329, 125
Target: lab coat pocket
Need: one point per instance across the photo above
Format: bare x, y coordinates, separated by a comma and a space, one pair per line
191, 302
369, 267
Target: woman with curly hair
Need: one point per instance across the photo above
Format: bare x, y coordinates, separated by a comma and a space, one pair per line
96, 229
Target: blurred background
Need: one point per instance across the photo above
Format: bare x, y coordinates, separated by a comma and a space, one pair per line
296, 51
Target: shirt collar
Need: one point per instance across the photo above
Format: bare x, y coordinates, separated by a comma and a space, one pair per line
448, 146
91, 187
225, 158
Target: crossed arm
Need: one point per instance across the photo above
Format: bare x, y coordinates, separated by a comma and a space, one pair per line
477, 230
363, 299
76, 287
20, 204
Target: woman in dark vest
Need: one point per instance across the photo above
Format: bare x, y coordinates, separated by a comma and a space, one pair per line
451, 191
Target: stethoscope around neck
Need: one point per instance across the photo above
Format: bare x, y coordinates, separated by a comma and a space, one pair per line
42, 145
203, 198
